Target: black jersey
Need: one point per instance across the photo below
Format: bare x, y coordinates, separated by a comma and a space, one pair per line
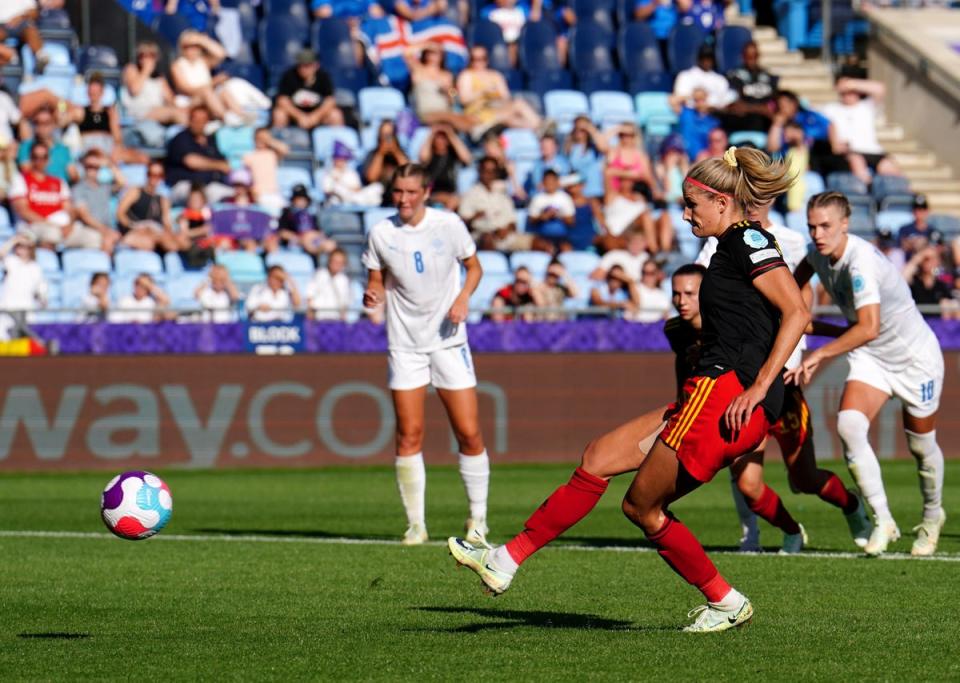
684, 340
739, 324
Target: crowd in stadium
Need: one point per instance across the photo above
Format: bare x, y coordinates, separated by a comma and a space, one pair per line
200, 182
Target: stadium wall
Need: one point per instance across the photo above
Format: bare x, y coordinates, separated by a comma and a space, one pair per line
71, 413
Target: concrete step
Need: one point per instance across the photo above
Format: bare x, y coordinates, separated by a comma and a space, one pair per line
916, 160
921, 174
901, 146
948, 203
889, 131
939, 185
773, 59
766, 34
802, 70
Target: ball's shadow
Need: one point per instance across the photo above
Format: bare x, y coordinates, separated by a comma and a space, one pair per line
499, 619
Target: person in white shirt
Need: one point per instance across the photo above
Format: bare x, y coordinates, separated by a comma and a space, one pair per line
144, 305
702, 75
24, 285
18, 20
275, 300
630, 259
551, 212
341, 183
854, 130
413, 261
654, 301
96, 302
328, 294
892, 352
218, 296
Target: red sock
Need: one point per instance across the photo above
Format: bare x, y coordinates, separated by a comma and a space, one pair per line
565, 507
835, 493
683, 552
770, 507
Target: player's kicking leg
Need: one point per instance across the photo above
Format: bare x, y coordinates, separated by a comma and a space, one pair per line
616, 452
411, 474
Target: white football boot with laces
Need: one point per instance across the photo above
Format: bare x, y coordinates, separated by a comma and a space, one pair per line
476, 532
928, 534
711, 619
884, 533
494, 581
415, 534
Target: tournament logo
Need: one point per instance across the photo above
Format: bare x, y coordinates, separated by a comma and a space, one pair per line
858, 284
754, 239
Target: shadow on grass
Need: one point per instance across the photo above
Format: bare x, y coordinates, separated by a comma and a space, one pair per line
294, 533
511, 618
53, 635
627, 542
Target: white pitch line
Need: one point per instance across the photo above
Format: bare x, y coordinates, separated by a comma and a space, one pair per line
343, 540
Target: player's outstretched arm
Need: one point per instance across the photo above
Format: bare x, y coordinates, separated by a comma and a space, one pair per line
864, 330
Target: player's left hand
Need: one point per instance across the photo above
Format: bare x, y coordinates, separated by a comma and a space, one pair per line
803, 373
741, 408
458, 312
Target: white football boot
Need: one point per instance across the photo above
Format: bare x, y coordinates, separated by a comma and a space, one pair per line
494, 581
884, 533
415, 534
711, 619
928, 534
476, 532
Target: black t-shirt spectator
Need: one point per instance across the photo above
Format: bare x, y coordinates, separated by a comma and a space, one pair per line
739, 324
753, 86
304, 96
930, 295
685, 342
184, 144
442, 171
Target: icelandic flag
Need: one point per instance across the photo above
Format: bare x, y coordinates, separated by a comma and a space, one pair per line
391, 36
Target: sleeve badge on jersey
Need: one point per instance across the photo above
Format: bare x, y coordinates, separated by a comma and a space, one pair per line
858, 283
754, 239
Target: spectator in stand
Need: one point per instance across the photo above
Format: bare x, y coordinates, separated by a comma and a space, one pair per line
9, 115
854, 120
586, 149
341, 183
275, 300
18, 22
491, 145
888, 245
817, 131
60, 162
195, 239
432, 92
627, 161
24, 286
629, 259
96, 302
672, 168
915, 236
443, 155
143, 215
193, 159
385, 159
550, 159
93, 195
703, 75
99, 125
551, 214
298, 226
717, 144
521, 292
210, 15
218, 296
488, 211
922, 272
147, 98
792, 148
355, 12
588, 213
619, 293
695, 123
42, 205
510, 16
146, 304
328, 294
305, 96
8, 167
263, 162
556, 288
661, 15
755, 88
654, 303
707, 13
485, 96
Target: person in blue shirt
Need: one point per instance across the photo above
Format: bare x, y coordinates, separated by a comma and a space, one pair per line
60, 164
695, 123
551, 159
661, 15
816, 128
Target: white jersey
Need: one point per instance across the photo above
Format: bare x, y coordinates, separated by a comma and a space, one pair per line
793, 248
864, 276
422, 278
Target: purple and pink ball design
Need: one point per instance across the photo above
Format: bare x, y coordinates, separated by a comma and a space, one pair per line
136, 505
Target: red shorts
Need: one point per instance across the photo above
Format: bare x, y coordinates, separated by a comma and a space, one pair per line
794, 427
696, 430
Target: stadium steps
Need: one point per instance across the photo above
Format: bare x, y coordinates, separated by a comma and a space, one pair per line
812, 80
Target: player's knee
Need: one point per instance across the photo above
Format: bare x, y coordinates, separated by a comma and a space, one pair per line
590, 459
750, 487
853, 428
470, 441
644, 516
410, 439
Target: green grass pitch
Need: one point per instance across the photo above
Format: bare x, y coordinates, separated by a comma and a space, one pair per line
269, 593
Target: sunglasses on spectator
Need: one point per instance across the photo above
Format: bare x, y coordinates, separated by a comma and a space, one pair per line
627, 134
43, 122
39, 157
478, 58
648, 271
155, 174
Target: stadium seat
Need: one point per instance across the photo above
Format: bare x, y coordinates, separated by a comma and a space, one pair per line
73, 289
100, 58
797, 220
248, 20
291, 8
538, 48
897, 202
170, 26
683, 45
814, 184
534, 261
252, 73
886, 185
591, 49
522, 215
847, 183
234, 141
521, 144
639, 52
373, 216
654, 113
335, 222
600, 81
417, 141
946, 224
893, 220
488, 34
493, 262
134, 261
297, 139
754, 137
563, 106
531, 98
600, 12
861, 225
49, 264
244, 267
378, 103
579, 262
61, 86
173, 265
289, 176
294, 262
4, 217
135, 175
280, 39
85, 261
466, 178
609, 107
543, 82
330, 39
729, 47
482, 297
325, 136
181, 290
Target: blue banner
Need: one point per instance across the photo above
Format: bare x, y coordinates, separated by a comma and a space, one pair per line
276, 338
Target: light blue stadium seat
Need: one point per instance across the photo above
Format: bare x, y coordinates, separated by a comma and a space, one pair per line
134, 261
235, 141
797, 220
74, 288
58, 85
295, 263
79, 97
563, 106
756, 138
493, 263
4, 217
416, 142
60, 64
134, 174
373, 216
609, 107
522, 216
654, 113
893, 220
172, 264
289, 176
483, 296
325, 136
181, 289
466, 178
49, 264
534, 261
813, 184
521, 144
579, 262
85, 261
243, 266
378, 103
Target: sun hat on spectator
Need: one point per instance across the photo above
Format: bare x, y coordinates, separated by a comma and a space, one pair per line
240, 176
299, 190
920, 201
570, 180
306, 56
341, 151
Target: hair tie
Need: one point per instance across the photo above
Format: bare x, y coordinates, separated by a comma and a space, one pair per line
730, 157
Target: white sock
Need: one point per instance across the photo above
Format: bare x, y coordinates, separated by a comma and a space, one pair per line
862, 462
930, 470
731, 602
749, 529
412, 482
503, 561
475, 472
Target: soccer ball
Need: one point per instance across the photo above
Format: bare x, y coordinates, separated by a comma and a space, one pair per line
136, 505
